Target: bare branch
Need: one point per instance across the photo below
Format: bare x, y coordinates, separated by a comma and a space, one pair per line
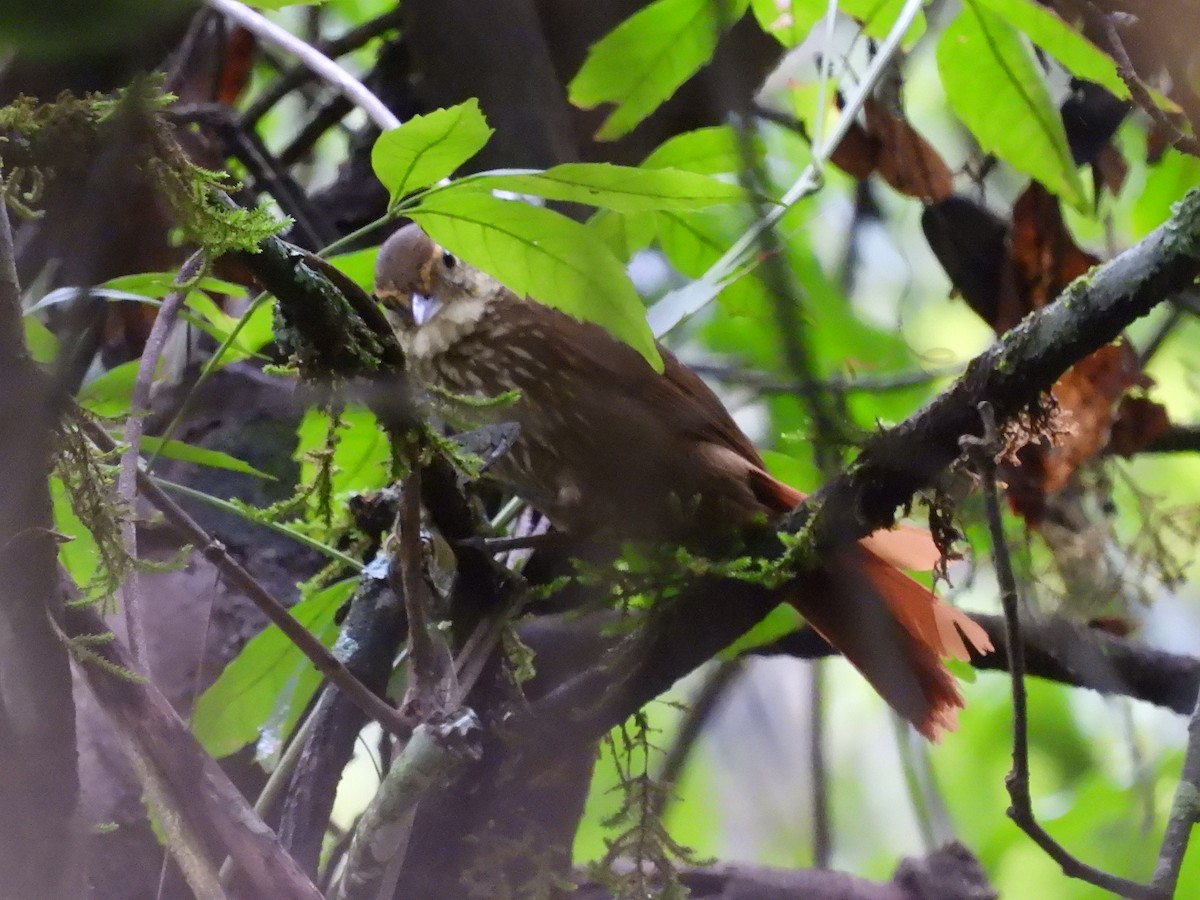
39, 784
212, 550
700, 709
950, 873
171, 763
1177, 439
298, 75
139, 407
431, 690
680, 304
429, 760
1185, 814
1105, 22
984, 452
325, 67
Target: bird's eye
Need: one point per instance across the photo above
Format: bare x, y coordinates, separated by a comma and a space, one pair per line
448, 260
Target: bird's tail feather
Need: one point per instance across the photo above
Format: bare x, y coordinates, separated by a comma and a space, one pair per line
898, 644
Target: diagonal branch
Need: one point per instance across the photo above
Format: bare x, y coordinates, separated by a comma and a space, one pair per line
176, 770
317, 653
1065, 652
313, 58
1011, 375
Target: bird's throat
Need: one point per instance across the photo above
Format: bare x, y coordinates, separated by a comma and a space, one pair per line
446, 327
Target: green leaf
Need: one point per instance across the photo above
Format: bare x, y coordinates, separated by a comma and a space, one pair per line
269, 682
150, 287
361, 456
963, 671
641, 62
257, 326
358, 266
710, 151
255, 332
427, 148
201, 456
110, 394
79, 555
620, 188
1078, 55
693, 243
540, 254
994, 85
780, 621
878, 17
794, 470
791, 26
42, 344
623, 233
1167, 181
159, 284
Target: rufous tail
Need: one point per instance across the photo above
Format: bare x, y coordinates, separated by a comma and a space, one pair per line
898, 644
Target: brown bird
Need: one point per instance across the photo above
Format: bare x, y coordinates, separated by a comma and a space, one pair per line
610, 447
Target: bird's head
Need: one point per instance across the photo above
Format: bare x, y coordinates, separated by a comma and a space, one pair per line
417, 280
432, 298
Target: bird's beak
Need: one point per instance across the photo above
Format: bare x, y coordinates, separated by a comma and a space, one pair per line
424, 307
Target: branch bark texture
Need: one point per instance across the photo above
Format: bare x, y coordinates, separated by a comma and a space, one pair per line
39, 778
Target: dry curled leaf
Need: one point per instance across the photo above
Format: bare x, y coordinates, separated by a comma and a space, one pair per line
889, 145
1089, 392
1139, 423
1003, 281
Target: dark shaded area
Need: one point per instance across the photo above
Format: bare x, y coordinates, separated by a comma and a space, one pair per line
374, 632
40, 839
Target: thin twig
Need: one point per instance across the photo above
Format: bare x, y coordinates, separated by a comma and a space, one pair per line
766, 383
984, 450
430, 692
826, 408
139, 407
1165, 329
173, 768
675, 307
318, 62
324, 115
1187, 299
1176, 439
270, 797
266, 171
408, 555
1106, 24
476, 652
212, 550
928, 808
699, 712
1185, 814
333, 48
